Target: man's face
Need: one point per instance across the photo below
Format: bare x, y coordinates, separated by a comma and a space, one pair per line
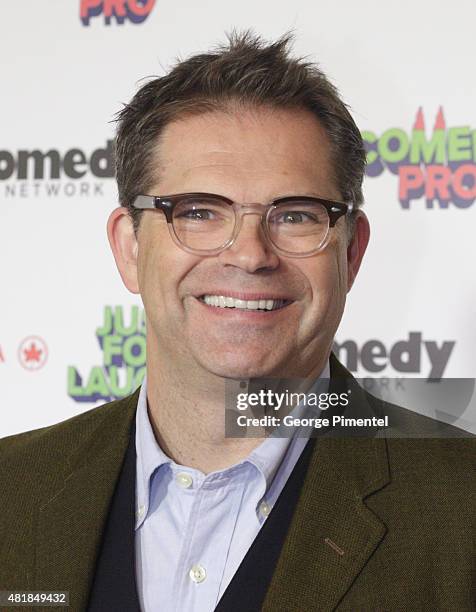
250, 157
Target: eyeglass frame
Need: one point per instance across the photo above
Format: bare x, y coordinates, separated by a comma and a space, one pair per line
334, 208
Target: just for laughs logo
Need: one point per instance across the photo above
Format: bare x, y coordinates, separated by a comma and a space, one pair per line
123, 346
439, 166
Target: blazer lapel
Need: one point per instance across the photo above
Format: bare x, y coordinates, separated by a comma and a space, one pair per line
71, 522
332, 533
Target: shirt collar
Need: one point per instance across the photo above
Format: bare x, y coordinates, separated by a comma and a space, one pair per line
270, 454
149, 454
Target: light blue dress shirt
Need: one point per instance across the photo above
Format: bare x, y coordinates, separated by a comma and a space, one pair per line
193, 530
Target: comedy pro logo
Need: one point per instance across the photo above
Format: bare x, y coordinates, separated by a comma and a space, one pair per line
135, 11
438, 167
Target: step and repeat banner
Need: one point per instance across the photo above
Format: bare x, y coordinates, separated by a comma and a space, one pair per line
72, 337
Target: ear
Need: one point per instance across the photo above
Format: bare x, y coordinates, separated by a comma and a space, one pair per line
120, 233
357, 246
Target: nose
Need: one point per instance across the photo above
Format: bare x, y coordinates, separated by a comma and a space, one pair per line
250, 251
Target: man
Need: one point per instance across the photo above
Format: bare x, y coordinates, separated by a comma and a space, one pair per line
239, 175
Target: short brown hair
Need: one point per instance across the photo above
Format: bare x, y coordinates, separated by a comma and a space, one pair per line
246, 71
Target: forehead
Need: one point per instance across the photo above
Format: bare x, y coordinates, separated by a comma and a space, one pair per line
249, 153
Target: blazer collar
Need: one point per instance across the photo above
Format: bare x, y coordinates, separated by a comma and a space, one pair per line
333, 533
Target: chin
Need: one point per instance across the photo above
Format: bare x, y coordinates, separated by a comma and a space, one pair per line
238, 367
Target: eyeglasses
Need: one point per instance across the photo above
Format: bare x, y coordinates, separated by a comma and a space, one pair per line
206, 223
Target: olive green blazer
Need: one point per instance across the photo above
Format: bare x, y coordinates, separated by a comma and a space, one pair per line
382, 524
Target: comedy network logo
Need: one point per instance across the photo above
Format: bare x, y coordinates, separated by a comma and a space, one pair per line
414, 354
122, 343
51, 173
439, 166
135, 11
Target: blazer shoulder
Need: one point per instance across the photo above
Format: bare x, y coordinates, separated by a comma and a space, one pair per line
60, 438
402, 422
437, 458
433, 479
446, 459
405, 423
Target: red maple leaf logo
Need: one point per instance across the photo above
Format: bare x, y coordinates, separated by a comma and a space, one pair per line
32, 353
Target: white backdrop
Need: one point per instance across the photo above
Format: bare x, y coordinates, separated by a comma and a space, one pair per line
63, 78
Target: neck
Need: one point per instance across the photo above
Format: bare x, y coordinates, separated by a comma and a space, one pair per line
187, 411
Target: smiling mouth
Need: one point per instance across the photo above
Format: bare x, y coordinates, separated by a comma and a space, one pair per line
221, 301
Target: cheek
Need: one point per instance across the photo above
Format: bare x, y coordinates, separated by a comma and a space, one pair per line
327, 280
153, 264
157, 274
162, 269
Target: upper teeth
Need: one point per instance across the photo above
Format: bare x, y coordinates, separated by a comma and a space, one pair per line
230, 302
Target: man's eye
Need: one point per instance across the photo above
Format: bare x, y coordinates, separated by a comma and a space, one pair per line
198, 214
297, 217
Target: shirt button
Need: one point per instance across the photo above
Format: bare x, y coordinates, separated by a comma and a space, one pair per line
264, 509
140, 511
197, 573
184, 480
